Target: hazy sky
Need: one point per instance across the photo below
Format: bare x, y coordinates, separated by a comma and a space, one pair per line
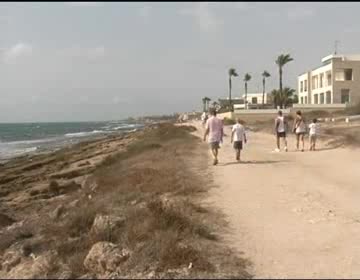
101, 61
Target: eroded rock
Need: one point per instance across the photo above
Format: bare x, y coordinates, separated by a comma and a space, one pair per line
105, 258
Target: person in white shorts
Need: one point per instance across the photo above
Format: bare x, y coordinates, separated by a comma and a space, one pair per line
238, 136
214, 128
280, 131
313, 134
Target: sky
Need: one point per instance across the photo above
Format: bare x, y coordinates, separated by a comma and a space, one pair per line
93, 61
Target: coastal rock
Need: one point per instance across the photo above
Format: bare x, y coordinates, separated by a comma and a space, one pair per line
57, 212
11, 259
103, 224
33, 268
105, 258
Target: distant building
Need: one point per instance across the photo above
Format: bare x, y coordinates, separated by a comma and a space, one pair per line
256, 98
336, 81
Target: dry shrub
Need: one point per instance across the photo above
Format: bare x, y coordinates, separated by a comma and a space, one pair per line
228, 121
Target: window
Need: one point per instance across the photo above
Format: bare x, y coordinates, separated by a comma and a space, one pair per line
328, 79
348, 74
345, 96
321, 80
254, 100
306, 101
301, 86
343, 75
313, 82
322, 101
301, 100
328, 97
316, 99
305, 85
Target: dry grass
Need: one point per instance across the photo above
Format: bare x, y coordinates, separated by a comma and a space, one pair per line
153, 188
343, 136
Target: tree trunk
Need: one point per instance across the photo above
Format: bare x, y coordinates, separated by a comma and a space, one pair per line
230, 103
263, 92
245, 95
204, 106
280, 87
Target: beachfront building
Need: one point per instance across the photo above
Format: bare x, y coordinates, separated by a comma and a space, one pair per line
336, 81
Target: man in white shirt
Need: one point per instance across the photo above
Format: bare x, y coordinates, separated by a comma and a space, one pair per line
215, 129
280, 130
238, 136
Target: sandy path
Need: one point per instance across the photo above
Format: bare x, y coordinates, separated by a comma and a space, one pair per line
294, 215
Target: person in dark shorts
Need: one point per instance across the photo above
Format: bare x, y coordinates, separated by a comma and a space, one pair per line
238, 137
280, 130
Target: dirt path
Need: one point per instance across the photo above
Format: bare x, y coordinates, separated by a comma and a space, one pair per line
294, 215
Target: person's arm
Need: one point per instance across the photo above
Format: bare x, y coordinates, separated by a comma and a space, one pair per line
245, 140
222, 131
232, 135
206, 132
276, 125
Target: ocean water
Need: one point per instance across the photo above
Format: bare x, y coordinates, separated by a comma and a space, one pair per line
25, 138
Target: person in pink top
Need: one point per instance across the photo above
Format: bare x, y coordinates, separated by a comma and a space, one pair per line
214, 128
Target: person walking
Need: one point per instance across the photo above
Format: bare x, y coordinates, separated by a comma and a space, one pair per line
280, 131
299, 129
238, 136
314, 130
214, 128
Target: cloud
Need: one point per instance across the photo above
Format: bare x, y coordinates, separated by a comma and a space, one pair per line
300, 13
17, 51
205, 18
145, 12
84, 4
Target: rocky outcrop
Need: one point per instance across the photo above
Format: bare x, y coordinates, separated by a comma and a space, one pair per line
105, 258
103, 224
30, 268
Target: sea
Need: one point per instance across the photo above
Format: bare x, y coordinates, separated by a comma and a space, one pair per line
18, 139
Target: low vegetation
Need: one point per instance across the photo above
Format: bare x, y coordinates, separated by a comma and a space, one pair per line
152, 199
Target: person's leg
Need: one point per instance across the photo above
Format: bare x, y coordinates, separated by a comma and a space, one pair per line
297, 141
314, 142
302, 141
311, 142
278, 141
237, 153
285, 143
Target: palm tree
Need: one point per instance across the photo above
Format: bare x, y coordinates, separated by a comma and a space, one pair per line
207, 100
232, 73
287, 98
204, 104
247, 78
265, 75
281, 61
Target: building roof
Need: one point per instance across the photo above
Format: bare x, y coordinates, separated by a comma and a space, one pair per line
327, 59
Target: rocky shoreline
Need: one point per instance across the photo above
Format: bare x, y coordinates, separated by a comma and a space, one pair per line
121, 207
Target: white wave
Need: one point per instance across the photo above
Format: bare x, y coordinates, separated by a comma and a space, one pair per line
29, 142
83, 134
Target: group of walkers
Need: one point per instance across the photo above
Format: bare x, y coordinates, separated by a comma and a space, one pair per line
300, 130
214, 130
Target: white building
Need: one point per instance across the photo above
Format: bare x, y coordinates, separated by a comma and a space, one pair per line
337, 81
256, 98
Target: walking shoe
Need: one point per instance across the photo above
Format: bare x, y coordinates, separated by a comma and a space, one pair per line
277, 150
285, 149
